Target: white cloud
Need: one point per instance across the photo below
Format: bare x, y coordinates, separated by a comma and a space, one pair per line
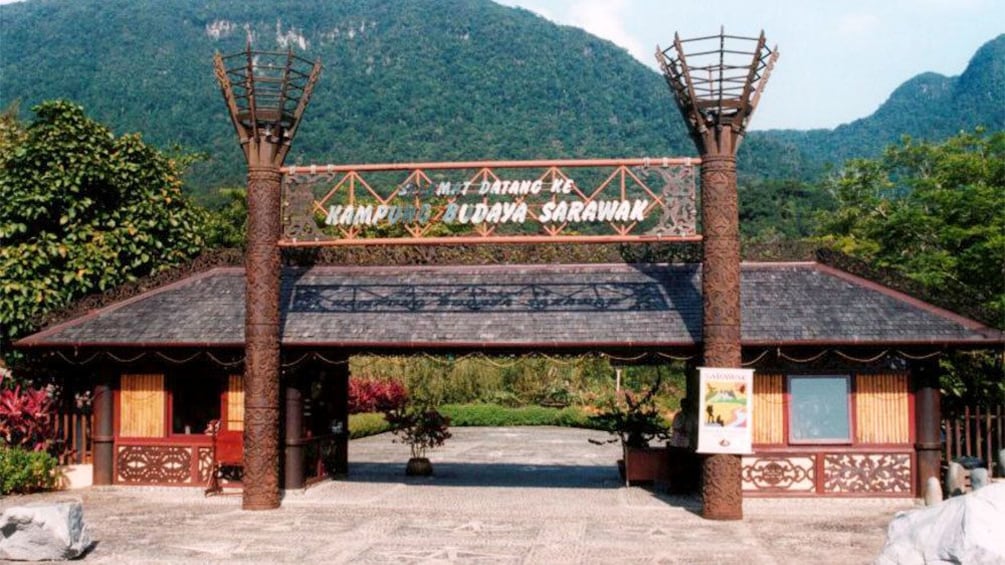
858, 24
606, 19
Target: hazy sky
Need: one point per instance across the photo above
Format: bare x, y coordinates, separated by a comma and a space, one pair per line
839, 59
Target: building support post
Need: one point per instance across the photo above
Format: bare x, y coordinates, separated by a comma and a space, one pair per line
340, 376
104, 433
266, 105
721, 491
261, 378
293, 471
928, 416
717, 82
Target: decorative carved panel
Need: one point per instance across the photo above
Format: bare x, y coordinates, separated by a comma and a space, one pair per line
153, 464
790, 474
205, 463
887, 473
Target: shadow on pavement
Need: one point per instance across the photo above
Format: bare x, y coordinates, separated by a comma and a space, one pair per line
490, 475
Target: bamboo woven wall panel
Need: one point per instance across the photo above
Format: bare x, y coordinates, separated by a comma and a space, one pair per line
142, 406
235, 403
882, 403
769, 409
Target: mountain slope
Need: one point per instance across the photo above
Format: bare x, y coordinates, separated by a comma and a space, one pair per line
929, 106
415, 80
412, 80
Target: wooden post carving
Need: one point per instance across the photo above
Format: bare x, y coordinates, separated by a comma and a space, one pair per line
717, 82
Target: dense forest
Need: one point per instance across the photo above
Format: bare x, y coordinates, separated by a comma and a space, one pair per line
916, 187
431, 80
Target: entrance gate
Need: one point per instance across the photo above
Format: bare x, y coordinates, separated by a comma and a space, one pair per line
716, 82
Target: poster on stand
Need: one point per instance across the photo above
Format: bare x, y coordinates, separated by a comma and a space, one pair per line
725, 410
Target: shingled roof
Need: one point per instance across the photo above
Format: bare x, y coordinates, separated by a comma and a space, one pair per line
522, 306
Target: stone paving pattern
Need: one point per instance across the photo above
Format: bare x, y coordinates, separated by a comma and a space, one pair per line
499, 495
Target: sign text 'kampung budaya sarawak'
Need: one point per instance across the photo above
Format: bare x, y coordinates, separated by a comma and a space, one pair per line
501, 211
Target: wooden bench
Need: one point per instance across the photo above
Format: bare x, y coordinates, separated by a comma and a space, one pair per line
227, 450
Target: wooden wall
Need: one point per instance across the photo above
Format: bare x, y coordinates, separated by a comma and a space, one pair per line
769, 409
235, 403
882, 404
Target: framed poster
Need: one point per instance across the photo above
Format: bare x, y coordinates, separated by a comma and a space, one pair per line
725, 409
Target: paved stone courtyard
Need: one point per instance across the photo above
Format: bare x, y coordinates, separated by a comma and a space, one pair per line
500, 495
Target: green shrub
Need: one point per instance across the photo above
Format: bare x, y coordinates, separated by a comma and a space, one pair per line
495, 415
23, 472
502, 398
367, 424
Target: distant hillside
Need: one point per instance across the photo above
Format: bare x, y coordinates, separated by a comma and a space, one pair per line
929, 106
420, 80
403, 80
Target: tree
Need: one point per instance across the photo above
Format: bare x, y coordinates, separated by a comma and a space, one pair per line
936, 213
82, 211
227, 223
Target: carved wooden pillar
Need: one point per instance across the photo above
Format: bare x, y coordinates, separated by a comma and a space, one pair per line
272, 93
340, 377
928, 416
293, 472
717, 82
104, 432
720, 284
261, 377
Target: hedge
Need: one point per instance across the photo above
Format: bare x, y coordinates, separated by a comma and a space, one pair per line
24, 472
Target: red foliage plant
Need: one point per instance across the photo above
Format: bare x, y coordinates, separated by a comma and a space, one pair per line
374, 395
27, 418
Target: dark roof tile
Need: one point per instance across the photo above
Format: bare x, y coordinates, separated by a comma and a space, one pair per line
521, 305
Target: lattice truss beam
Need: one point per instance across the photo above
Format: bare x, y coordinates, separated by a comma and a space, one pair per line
490, 202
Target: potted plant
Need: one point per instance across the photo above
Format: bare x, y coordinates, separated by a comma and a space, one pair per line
422, 428
636, 422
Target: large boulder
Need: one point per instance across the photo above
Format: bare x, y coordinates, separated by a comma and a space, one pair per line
964, 529
44, 531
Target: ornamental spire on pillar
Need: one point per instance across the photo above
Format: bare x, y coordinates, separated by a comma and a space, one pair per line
717, 82
266, 95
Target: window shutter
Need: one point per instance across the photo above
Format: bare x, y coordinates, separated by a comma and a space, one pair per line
769, 409
882, 408
141, 406
235, 403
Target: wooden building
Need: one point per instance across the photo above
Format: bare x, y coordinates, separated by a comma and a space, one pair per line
846, 392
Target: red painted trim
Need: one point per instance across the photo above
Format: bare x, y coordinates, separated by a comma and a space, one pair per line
565, 268
873, 343
803, 450
849, 377
853, 407
525, 164
486, 239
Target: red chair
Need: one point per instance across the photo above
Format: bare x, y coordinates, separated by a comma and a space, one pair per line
227, 452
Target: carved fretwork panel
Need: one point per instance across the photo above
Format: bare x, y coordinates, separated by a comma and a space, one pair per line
887, 473
205, 463
779, 474
153, 464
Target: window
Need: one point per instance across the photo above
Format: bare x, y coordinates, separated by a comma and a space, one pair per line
819, 409
141, 405
194, 402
